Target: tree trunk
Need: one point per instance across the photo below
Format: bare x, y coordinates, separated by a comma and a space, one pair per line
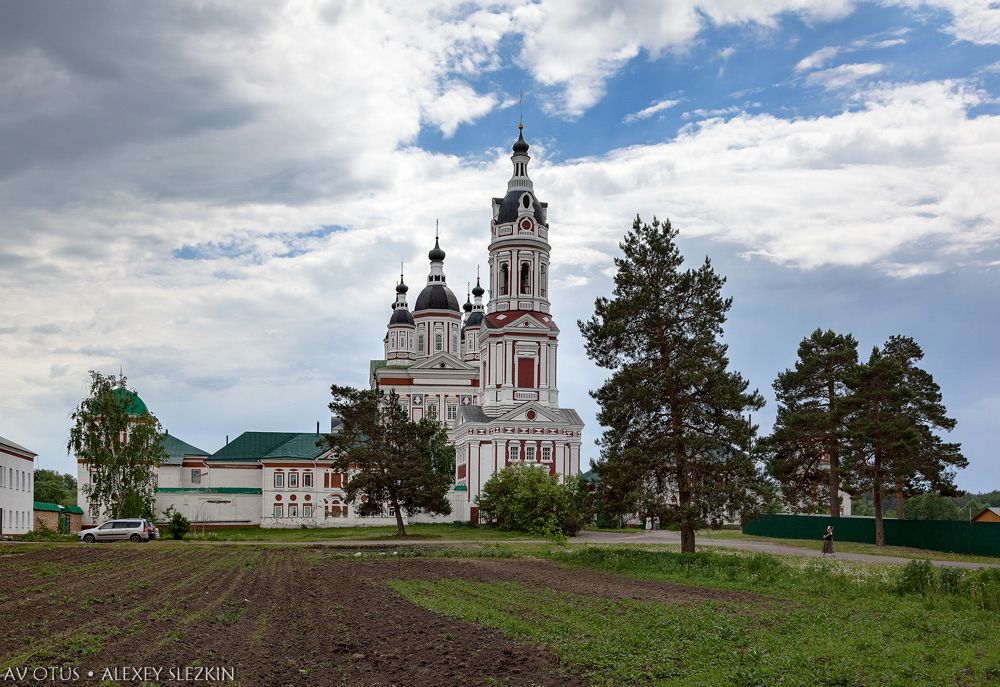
684, 500
834, 484
877, 495
400, 529
687, 538
832, 452
900, 503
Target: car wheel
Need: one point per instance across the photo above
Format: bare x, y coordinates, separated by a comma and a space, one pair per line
135, 538
89, 538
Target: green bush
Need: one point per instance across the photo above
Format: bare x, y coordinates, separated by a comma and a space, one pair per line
42, 532
177, 523
950, 580
917, 578
984, 588
525, 498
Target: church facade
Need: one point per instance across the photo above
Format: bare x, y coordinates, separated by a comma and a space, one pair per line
489, 372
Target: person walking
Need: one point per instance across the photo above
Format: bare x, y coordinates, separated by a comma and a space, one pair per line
828, 541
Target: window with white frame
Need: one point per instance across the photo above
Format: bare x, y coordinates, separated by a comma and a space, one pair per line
529, 454
293, 481
279, 510
307, 479
452, 411
546, 454
307, 510
513, 450
438, 341
420, 342
293, 510
279, 480
195, 475
432, 409
392, 512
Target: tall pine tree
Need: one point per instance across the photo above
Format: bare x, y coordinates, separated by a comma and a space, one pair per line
895, 412
927, 462
803, 452
674, 413
389, 459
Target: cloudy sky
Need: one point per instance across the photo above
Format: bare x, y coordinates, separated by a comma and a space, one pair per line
217, 196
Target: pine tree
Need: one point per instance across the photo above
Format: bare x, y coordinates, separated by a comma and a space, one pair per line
120, 447
894, 415
673, 411
388, 458
927, 463
803, 452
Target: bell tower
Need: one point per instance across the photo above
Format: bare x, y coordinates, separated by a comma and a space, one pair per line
519, 339
519, 246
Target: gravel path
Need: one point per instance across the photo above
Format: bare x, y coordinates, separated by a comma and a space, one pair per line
668, 537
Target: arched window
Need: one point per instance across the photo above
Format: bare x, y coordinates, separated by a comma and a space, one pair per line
420, 342
525, 277
438, 341
504, 279
542, 281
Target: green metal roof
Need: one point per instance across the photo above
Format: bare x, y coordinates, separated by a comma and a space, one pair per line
254, 446
208, 490
299, 446
375, 365
51, 507
177, 449
73, 509
590, 476
133, 404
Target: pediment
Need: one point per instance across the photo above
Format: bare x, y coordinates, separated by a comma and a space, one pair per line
542, 414
522, 320
443, 361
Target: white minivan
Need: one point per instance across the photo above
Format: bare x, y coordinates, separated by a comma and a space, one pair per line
131, 529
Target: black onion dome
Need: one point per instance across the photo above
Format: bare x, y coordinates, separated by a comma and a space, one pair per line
520, 145
401, 316
436, 254
509, 207
436, 297
478, 290
401, 287
474, 320
468, 305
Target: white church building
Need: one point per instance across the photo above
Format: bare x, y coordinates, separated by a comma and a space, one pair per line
487, 371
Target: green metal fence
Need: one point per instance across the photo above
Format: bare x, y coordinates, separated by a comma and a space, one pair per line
976, 538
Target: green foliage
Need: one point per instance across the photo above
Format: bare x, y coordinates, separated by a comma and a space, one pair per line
980, 587
983, 588
177, 523
391, 460
121, 449
803, 452
53, 487
895, 412
917, 578
675, 414
42, 532
525, 498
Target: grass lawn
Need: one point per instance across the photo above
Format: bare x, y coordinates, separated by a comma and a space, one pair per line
815, 623
434, 532
851, 547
